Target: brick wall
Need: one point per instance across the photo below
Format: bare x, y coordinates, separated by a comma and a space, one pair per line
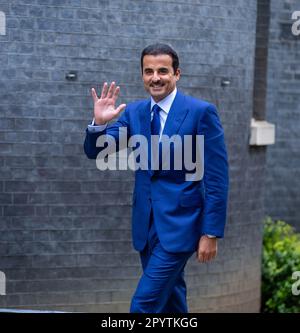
283, 109
65, 240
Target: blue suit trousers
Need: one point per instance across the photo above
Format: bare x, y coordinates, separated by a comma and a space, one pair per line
162, 288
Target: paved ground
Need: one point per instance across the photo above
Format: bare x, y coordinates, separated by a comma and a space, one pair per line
28, 311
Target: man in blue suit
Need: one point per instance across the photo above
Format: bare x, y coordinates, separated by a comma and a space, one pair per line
172, 217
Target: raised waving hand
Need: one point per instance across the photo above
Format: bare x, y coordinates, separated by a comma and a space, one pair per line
104, 107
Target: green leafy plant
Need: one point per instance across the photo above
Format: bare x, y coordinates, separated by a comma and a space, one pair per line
281, 257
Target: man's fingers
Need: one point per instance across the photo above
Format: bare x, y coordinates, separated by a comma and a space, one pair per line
205, 257
201, 256
104, 90
111, 90
116, 93
120, 108
94, 94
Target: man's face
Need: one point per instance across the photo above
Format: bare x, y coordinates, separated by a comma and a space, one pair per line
158, 76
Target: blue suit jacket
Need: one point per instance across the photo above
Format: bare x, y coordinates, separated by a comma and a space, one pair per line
182, 210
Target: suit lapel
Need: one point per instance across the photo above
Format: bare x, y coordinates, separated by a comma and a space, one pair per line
176, 115
145, 121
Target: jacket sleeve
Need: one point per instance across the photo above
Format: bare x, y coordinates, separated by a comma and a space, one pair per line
216, 179
115, 131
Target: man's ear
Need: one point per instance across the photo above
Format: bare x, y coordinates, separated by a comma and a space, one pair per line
177, 74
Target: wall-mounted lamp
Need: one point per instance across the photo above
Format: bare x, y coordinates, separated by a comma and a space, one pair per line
225, 82
71, 76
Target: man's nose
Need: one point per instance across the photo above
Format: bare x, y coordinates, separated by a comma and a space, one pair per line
155, 77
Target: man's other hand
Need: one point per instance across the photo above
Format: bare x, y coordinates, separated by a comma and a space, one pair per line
207, 249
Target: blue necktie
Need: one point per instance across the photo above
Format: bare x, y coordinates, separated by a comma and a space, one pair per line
155, 129
155, 123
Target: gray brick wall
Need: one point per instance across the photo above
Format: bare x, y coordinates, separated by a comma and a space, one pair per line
283, 109
65, 226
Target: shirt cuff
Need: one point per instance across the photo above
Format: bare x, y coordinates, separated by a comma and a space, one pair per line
96, 128
210, 236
